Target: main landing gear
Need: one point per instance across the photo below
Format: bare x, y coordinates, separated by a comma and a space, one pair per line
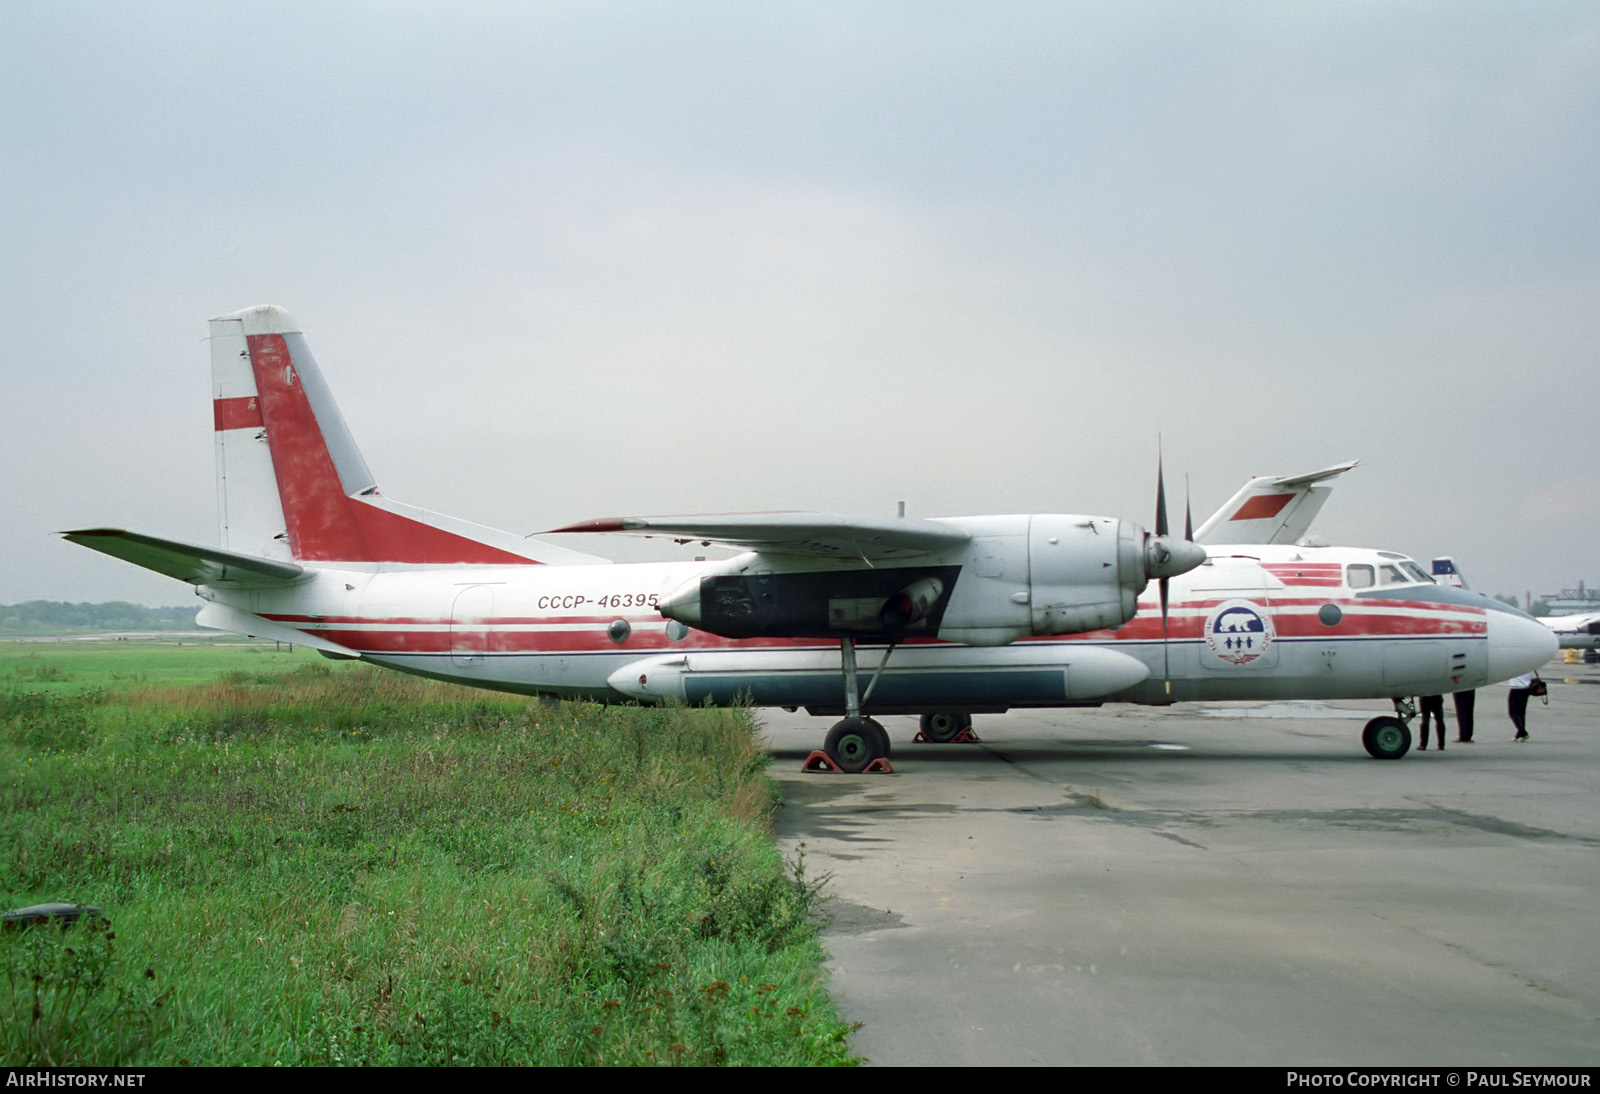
1389, 738
943, 727
856, 743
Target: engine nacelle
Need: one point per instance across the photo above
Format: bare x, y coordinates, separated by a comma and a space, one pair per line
1085, 573
1018, 575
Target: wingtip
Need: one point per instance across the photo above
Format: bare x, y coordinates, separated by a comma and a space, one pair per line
599, 524
263, 319
68, 534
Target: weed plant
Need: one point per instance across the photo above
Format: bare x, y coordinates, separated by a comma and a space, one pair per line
345, 866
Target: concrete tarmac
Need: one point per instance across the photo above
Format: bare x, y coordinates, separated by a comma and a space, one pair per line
1138, 885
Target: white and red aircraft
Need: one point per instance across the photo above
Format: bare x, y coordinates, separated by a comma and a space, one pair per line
943, 617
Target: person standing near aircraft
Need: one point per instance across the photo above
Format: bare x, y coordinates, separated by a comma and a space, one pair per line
1517, 705
1432, 707
1465, 702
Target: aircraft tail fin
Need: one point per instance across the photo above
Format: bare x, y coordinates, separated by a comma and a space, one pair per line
1271, 510
1446, 572
291, 483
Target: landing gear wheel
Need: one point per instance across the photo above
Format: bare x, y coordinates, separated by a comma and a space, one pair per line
943, 726
882, 736
855, 742
1386, 738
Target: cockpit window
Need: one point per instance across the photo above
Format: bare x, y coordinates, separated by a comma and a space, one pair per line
1417, 572
1360, 577
1390, 575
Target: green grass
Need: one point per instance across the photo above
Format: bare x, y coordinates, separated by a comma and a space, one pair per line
332, 865
73, 665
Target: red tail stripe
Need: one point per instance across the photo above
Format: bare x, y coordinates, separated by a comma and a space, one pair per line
393, 538
243, 412
1262, 506
321, 526
324, 524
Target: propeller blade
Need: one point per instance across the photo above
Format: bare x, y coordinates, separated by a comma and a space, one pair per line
1188, 517
1166, 650
1161, 495
1161, 583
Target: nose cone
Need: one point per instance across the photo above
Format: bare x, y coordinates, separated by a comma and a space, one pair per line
1517, 644
1169, 556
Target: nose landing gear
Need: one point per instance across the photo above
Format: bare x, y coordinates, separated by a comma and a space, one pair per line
1387, 738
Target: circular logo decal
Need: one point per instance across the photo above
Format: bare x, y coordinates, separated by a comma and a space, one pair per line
1238, 632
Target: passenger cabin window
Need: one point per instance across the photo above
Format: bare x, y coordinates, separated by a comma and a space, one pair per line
1360, 577
1391, 575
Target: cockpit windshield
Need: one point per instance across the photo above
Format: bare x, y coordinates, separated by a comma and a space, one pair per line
1417, 572
1404, 572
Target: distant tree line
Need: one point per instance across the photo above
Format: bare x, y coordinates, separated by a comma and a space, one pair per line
59, 617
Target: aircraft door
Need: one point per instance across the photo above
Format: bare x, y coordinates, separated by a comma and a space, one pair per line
470, 636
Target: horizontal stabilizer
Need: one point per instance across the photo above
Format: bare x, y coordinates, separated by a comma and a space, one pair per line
185, 561
816, 535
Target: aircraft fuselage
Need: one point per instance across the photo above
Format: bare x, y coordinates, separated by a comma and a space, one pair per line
1267, 622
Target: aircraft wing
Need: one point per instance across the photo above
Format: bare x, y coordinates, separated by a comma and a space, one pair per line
816, 535
184, 561
1271, 510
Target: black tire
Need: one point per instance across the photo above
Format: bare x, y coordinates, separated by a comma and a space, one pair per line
880, 734
943, 726
856, 742
1386, 738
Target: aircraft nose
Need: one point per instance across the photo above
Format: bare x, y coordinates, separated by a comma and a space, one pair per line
1517, 645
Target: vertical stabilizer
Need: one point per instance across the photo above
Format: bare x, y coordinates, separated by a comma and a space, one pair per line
291, 483
1446, 572
249, 517
1270, 510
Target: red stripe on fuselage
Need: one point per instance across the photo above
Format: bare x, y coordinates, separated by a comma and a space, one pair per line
493, 640
1321, 575
495, 636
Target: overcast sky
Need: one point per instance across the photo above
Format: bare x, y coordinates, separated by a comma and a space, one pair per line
560, 261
